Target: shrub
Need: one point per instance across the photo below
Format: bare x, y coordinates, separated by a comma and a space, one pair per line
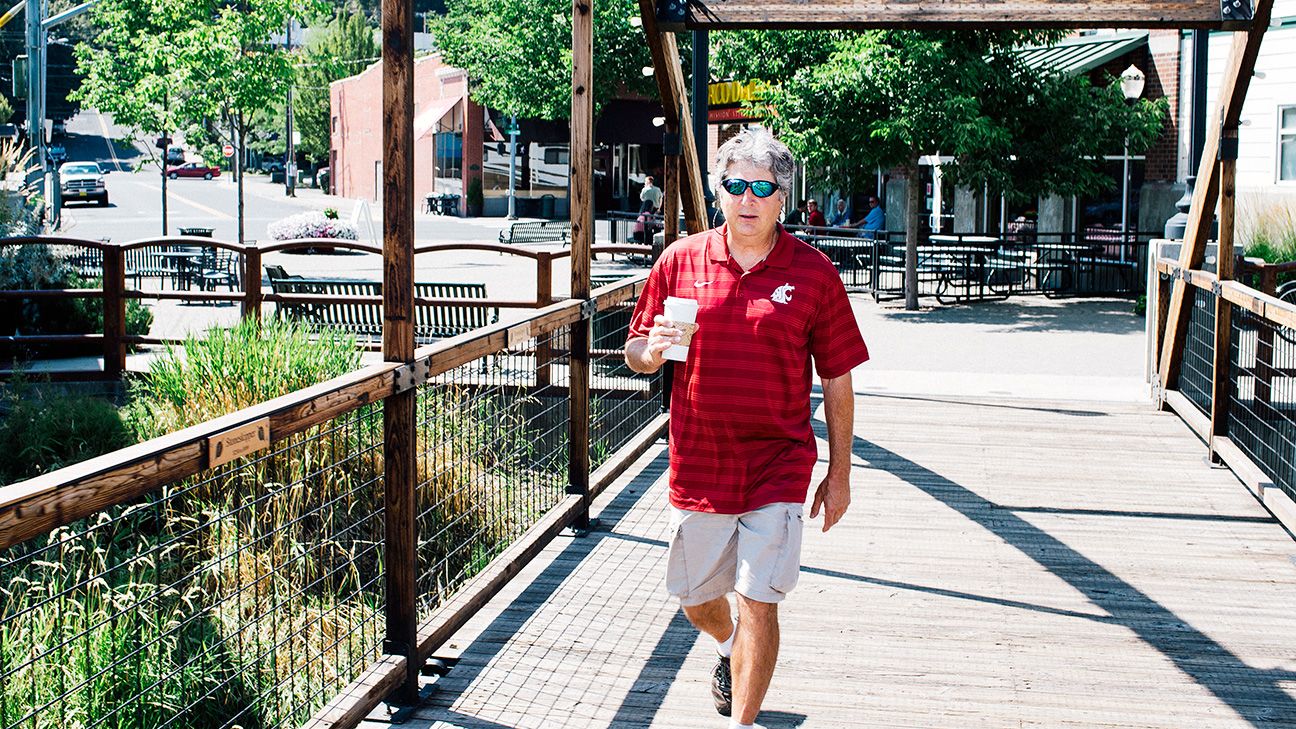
310, 225
43, 430
1268, 231
231, 369
32, 267
22, 210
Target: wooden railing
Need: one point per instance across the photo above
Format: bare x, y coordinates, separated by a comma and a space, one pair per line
114, 292
161, 539
1236, 380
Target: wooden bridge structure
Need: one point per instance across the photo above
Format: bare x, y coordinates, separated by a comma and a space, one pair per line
390, 537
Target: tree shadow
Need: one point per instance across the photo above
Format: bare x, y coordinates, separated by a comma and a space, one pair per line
1099, 316
1254, 694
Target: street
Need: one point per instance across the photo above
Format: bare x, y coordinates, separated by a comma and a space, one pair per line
135, 197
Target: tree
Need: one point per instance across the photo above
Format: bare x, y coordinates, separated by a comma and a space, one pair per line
518, 52
131, 70
344, 47
885, 98
234, 68
6, 109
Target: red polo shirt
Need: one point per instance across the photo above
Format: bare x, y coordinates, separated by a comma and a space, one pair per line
740, 435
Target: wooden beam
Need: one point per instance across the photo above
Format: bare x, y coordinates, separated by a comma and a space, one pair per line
1220, 391
670, 83
399, 419
862, 14
582, 186
1237, 79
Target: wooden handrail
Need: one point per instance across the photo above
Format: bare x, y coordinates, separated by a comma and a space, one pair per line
1265, 306
36, 506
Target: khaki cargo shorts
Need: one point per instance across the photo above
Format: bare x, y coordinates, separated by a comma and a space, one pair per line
756, 554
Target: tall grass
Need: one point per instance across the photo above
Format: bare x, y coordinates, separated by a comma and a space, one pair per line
225, 599
1267, 229
248, 595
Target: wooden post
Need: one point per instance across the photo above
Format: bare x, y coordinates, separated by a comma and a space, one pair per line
671, 201
544, 297
1220, 390
670, 83
1237, 78
252, 282
398, 338
114, 308
582, 214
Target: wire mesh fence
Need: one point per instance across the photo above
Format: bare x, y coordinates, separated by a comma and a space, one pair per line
1198, 365
245, 596
1262, 407
493, 454
622, 403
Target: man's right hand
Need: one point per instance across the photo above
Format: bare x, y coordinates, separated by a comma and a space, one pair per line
645, 355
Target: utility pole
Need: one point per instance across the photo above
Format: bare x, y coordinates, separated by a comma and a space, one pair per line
290, 157
36, 80
513, 135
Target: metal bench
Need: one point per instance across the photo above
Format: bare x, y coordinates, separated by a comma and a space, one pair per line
364, 318
545, 231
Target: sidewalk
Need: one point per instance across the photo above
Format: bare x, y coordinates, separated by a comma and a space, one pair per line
1028, 347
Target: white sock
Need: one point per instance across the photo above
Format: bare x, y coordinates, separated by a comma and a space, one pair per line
733, 724
725, 649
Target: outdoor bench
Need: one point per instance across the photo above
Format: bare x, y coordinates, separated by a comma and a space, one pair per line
364, 318
545, 231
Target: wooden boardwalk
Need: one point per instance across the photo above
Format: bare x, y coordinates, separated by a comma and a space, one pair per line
1005, 563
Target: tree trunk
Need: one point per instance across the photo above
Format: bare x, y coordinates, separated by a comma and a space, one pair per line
238, 170
913, 195
164, 192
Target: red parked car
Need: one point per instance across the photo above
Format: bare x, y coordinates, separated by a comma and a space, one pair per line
193, 169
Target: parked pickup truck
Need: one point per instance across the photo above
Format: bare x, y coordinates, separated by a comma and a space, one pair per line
83, 181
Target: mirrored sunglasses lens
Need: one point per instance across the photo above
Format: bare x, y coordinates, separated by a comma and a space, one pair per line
735, 186
763, 188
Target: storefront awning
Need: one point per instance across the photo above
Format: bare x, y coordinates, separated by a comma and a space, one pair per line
1075, 56
426, 122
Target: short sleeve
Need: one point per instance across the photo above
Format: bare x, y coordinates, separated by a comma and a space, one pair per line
835, 340
652, 301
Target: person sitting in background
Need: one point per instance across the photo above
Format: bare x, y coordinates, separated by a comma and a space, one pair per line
797, 216
874, 221
814, 216
840, 216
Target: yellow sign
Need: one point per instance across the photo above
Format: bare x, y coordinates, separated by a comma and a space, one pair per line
731, 93
238, 442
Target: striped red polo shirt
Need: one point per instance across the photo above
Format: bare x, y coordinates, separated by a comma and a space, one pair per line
740, 435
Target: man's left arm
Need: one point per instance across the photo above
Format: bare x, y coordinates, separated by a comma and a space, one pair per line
833, 494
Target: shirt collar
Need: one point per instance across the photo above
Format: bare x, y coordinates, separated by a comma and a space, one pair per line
779, 257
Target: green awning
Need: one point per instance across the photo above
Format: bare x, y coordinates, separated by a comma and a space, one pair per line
1075, 56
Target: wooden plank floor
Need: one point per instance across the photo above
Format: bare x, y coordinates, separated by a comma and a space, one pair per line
1006, 563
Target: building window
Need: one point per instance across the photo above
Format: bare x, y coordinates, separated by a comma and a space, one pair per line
1287, 144
335, 125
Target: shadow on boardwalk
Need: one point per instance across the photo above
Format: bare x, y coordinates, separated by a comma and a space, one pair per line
993, 572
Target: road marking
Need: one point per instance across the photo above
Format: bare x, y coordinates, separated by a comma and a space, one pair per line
112, 148
171, 195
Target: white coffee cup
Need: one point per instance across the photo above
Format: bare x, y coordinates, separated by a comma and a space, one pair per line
680, 311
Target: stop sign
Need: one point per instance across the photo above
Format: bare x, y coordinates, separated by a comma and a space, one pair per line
228, 150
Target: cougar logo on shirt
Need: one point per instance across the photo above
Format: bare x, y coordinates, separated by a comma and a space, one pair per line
782, 294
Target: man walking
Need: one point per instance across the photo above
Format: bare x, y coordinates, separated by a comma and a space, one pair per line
741, 445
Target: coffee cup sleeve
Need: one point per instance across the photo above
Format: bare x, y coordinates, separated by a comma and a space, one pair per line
687, 328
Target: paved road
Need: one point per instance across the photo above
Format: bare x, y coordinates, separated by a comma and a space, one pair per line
135, 194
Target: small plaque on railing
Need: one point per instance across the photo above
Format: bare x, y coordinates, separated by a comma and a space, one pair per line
519, 334
238, 442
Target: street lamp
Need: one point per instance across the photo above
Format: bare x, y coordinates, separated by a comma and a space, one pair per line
1131, 84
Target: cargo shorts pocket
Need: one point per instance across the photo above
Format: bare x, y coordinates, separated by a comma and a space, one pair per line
787, 566
676, 572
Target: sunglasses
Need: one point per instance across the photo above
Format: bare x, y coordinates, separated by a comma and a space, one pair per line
760, 188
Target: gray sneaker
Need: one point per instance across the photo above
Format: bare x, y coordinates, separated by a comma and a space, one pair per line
722, 687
